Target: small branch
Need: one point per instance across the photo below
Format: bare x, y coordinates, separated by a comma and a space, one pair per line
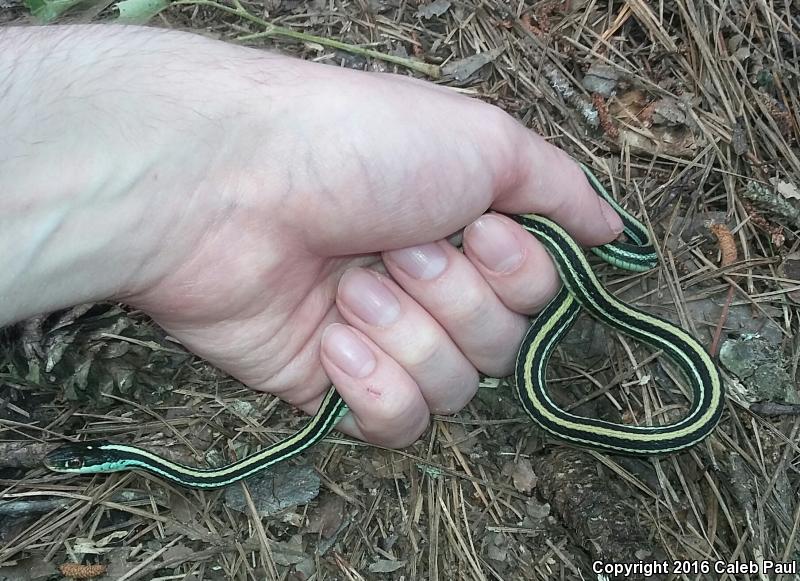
769, 408
271, 30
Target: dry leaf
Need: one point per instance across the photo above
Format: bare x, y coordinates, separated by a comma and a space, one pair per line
675, 141
435, 8
651, 127
668, 112
464, 68
601, 79
536, 510
328, 516
786, 189
386, 566
85, 546
524, 477
739, 137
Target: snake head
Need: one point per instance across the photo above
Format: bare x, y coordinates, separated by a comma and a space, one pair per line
80, 458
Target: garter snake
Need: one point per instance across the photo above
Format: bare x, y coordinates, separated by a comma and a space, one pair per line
580, 290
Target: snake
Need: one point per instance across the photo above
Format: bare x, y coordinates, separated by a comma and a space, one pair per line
580, 291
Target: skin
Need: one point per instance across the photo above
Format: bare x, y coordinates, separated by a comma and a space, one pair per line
285, 220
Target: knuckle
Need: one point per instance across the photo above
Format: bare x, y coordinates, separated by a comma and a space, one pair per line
470, 304
425, 346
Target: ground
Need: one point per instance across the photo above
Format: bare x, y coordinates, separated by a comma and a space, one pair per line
690, 110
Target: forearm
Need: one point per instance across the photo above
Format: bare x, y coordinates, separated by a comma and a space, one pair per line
85, 205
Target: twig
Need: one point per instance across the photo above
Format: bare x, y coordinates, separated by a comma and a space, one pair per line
270, 30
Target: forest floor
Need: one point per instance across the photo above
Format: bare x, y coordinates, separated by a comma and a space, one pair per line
688, 112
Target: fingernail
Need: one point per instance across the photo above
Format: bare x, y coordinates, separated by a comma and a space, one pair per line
494, 245
421, 262
347, 351
611, 217
369, 298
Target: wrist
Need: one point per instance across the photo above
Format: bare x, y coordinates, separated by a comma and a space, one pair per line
100, 185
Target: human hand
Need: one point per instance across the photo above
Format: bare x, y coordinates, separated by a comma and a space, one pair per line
290, 220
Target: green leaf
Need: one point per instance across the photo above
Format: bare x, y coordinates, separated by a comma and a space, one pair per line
46, 11
139, 11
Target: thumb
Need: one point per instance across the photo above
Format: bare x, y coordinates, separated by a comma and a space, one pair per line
405, 176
